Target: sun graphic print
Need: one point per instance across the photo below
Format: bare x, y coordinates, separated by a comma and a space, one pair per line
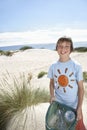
63, 80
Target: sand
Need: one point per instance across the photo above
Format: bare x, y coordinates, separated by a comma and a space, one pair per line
34, 61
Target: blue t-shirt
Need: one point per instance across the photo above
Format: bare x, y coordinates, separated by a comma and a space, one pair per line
66, 75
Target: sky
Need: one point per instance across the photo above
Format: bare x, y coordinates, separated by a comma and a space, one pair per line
42, 21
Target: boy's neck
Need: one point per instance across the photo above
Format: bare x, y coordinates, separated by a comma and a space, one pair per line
64, 59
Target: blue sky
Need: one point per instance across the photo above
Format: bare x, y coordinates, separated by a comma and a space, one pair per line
42, 21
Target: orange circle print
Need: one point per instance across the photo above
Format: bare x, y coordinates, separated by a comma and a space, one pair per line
63, 80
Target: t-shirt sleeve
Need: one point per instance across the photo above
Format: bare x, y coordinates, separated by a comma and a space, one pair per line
79, 73
50, 72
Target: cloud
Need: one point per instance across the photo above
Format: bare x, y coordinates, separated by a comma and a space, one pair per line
41, 36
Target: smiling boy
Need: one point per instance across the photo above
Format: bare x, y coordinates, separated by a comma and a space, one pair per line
66, 80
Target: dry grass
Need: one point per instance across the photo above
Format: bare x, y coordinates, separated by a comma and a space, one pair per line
20, 96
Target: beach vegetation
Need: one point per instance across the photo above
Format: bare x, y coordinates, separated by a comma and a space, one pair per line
17, 97
25, 48
1, 52
6, 53
85, 76
41, 74
81, 49
85, 80
86, 91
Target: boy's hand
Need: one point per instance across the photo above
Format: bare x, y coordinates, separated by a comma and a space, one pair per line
52, 99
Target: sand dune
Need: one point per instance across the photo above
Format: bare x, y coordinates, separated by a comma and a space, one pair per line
34, 61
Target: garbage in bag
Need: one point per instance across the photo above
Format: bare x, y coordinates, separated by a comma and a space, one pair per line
60, 117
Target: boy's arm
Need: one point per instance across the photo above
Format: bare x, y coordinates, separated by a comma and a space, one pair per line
52, 96
80, 99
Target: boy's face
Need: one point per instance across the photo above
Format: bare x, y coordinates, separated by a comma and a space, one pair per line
64, 49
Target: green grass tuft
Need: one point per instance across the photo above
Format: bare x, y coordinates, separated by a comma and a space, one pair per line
25, 48
6, 53
41, 74
20, 96
85, 76
81, 49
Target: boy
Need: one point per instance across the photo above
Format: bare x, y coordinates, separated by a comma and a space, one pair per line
66, 80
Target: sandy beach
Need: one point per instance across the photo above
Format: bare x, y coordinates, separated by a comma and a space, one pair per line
34, 61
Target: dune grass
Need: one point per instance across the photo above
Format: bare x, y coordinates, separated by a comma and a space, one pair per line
85, 76
20, 96
85, 90
41, 74
25, 48
6, 53
81, 49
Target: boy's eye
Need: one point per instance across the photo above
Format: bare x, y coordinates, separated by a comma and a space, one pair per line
65, 47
